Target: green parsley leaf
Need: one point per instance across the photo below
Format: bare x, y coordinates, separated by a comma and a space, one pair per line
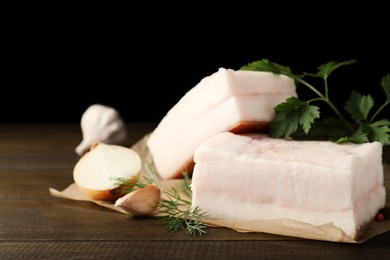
330, 127
326, 69
298, 119
292, 114
380, 131
266, 65
359, 136
386, 86
358, 106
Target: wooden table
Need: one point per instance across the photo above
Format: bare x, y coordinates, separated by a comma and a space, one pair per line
36, 225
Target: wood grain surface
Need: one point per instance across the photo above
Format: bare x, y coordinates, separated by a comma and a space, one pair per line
36, 225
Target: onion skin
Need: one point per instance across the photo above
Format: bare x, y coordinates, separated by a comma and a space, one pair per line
106, 195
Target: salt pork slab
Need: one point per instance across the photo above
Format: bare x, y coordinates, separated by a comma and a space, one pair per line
255, 177
227, 100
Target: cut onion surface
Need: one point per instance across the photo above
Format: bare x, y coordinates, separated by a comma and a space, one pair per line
107, 170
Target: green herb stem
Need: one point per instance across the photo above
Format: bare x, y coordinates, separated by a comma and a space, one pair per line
326, 100
314, 100
294, 115
337, 112
326, 88
378, 111
310, 87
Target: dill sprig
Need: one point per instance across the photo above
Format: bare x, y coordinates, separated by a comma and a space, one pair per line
175, 210
186, 184
142, 182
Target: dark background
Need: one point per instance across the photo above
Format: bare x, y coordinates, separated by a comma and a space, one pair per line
142, 59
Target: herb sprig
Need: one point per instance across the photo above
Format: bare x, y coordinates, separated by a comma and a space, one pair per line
175, 208
300, 119
178, 215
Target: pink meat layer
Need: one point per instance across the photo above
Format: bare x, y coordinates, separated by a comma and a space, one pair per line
317, 182
218, 103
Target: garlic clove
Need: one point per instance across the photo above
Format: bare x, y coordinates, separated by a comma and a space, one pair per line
142, 202
100, 123
102, 171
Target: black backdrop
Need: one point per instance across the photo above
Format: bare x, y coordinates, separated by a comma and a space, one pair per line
142, 60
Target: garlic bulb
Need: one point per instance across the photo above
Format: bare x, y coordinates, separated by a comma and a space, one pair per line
101, 123
142, 202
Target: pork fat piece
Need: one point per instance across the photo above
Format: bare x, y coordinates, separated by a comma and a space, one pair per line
227, 100
244, 177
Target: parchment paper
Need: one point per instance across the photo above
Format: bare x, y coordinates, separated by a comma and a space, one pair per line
286, 227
